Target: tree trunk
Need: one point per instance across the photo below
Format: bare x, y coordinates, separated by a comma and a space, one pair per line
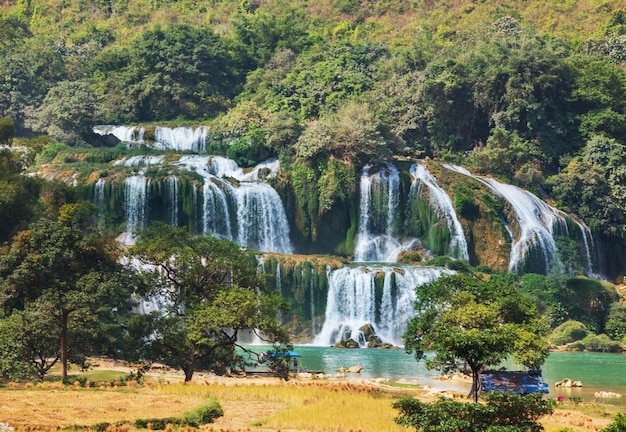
475, 382
64, 345
189, 369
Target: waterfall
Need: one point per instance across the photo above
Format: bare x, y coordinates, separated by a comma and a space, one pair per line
216, 216
261, 222
126, 134
261, 219
536, 220
136, 197
440, 201
141, 160
173, 197
378, 216
98, 197
353, 301
181, 138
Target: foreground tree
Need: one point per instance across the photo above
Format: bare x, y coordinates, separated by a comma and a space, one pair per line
466, 321
209, 292
60, 269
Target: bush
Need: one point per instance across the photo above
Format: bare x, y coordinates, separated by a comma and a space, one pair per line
568, 332
196, 418
618, 425
502, 412
601, 343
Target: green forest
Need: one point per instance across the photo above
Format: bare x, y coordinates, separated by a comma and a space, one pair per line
532, 93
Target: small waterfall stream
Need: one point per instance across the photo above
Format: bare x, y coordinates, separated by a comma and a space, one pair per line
440, 201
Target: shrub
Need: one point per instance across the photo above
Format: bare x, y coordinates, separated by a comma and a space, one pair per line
502, 412
618, 425
568, 332
196, 418
601, 343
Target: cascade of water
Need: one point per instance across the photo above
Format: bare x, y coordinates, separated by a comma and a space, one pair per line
173, 196
141, 160
441, 202
352, 302
126, 134
181, 138
136, 197
98, 197
261, 219
216, 216
536, 221
378, 212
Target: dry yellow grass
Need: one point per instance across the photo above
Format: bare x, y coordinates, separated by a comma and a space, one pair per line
47, 408
250, 405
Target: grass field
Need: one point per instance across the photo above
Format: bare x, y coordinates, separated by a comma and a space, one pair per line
263, 405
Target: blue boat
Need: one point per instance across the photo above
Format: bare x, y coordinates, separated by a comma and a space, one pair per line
520, 382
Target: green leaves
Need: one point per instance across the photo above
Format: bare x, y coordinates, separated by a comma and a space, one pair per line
502, 412
464, 319
210, 291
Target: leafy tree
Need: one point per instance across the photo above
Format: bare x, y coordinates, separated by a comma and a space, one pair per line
260, 32
19, 194
502, 412
63, 268
68, 112
179, 71
29, 343
27, 72
14, 29
210, 292
7, 130
327, 76
464, 320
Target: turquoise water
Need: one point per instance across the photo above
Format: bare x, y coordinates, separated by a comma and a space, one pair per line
597, 371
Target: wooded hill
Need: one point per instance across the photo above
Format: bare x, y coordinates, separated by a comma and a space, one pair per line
530, 92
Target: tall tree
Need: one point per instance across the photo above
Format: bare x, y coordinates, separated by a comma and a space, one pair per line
464, 320
68, 112
208, 291
61, 266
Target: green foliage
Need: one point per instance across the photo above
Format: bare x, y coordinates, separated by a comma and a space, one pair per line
615, 325
560, 298
68, 112
7, 130
18, 195
202, 415
618, 424
502, 412
601, 343
464, 203
213, 292
465, 320
61, 270
568, 332
250, 149
168, 73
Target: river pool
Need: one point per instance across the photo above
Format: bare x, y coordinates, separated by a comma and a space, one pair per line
597, 371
